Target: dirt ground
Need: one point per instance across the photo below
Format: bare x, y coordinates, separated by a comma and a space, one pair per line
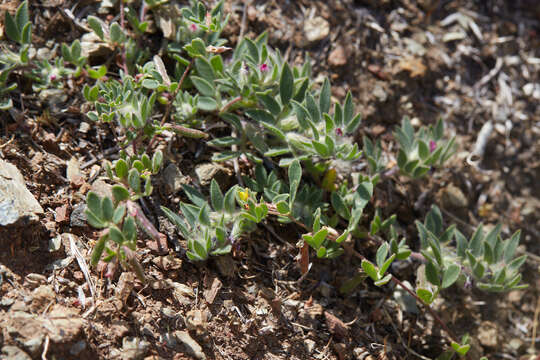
469, 62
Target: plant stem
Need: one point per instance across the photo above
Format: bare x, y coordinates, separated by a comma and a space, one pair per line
169, 106
229, 104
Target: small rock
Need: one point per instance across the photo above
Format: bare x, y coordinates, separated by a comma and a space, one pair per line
452, 198
33, 280
17, 204
78, 217
197, 320
191, 345
207, 171
63, 324
338, 57
101, 188
310, 345
335, 325
316, 29
173, 179
93, 47
124, 287
77, 348
42, 297
73, 172
53, 97
167, 263
14, 353
132, 348
487, 334
183, 293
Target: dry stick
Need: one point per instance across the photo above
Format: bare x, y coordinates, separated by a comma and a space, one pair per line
169, 106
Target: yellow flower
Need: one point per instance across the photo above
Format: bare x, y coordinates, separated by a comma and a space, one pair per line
243, 195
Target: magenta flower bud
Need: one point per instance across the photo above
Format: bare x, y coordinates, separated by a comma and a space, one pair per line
193, 27
339, 132
432, 146
53, 77
263, 67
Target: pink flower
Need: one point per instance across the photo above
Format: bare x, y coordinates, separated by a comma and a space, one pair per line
264, 67
193, 27
53, 77
432, 146
339, 132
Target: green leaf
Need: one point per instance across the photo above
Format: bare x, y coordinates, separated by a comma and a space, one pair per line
96, 25
204, 69
313, 109
120, 193
204, 87
130, 229
382, 252
157, 160
450, 275
353, 124
116, 33
270, 103
150, 84
384, 280
295, 175
319, 237
94, 220
425, 295
116, 235
12, 31
386, 264
423, 149
339, 206
348, 109
200, 250
325, 96
207, 103
22, 17
511, 246
93, 202
26, 34
515, 264
119, 213
107, 208
475, 243
204, 216
98, 249
286, 84
134, 180
216, 196
401, 159
229, 201
121, 169
321, 252
432, 274
176, 220
194, 196
283, 207
261, 116
370, 269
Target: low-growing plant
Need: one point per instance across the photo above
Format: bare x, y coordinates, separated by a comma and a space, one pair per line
296, 140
